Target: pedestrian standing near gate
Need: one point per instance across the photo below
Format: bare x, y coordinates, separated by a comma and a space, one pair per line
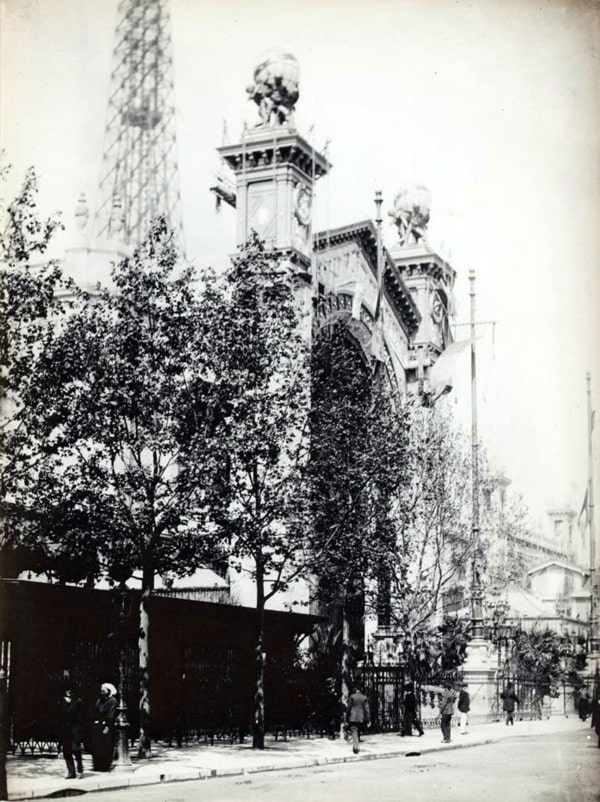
464, 705
359, 716
447, 711
510, 700
103, 733
411, 718
72, 720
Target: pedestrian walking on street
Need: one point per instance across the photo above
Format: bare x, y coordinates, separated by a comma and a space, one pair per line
411, 717
537, 706
510, 699
447, 711
464, 705
72, 722
583, 706
103, 733
359, 716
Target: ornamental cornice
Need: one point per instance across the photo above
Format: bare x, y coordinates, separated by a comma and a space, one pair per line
396, 291
283, 149
429, 264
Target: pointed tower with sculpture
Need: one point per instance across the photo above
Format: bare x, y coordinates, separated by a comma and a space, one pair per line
276, 170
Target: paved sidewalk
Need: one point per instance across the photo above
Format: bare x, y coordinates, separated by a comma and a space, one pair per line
31, 777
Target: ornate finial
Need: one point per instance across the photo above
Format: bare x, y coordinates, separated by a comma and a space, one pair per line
82, 212
275, 88
411, 213
117, 218
378, 202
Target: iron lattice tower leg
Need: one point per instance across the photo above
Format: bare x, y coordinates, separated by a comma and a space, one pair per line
139, 177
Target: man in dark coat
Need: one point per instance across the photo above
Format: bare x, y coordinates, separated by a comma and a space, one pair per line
410, 713
464, 705
510, 699
583, 706
72, 720
359, 716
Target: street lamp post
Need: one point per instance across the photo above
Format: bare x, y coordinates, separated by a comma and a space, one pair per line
122, 759
476, 606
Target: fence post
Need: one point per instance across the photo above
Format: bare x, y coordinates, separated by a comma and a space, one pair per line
3, 734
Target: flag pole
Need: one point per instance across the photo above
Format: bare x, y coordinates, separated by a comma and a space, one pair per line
378, 222
592, 531
377, 335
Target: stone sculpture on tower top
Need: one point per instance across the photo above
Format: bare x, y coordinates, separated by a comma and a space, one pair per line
411, 210
275, 89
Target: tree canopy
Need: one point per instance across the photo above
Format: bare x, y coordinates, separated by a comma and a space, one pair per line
32, 300
255, 453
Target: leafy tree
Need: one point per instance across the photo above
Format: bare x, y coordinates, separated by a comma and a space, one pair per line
358, 463
536, 658
504, 519
435, 544
32, 299
255, 454
437, 651
114, 398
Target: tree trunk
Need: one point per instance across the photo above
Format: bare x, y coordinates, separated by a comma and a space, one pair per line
345, 688
258, 734
4, 727
144, 745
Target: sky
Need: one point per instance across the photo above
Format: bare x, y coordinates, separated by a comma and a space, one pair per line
494, 105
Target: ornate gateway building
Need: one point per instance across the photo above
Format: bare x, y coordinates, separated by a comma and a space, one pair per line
390, 306
394, 304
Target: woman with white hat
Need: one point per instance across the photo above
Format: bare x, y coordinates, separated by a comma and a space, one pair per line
103, 736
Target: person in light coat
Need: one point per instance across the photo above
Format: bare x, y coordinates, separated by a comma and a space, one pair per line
447, 711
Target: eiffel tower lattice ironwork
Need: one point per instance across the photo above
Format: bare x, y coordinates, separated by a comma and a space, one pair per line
139, 178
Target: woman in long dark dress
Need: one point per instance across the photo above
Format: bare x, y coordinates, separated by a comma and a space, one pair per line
103, 735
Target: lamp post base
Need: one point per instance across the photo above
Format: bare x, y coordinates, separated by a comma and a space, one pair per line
122, 760
479, 672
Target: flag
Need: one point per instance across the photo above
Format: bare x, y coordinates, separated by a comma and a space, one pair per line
441, 375
585, 510
377, 338
359, 292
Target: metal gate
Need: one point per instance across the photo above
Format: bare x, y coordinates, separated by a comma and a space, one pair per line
384, 687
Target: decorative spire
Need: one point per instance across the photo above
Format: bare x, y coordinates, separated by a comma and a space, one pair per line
82, 212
